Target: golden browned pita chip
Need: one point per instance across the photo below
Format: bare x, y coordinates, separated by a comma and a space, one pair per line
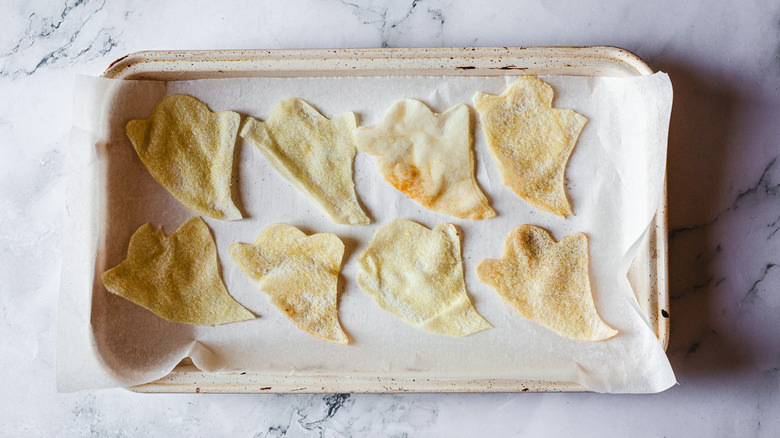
531, 141
299, 274
428, 157
189, 150
314, 153
417, 275
547, 282
176, 277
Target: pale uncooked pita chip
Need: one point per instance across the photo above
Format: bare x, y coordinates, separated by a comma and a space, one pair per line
428, 157
314, 153
300, 275
176, 277
547, 282
189, 150
531, 141
416, 274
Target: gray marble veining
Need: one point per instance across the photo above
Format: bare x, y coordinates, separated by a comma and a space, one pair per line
393, 20
56, 38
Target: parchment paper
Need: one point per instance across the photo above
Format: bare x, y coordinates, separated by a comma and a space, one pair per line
614, 181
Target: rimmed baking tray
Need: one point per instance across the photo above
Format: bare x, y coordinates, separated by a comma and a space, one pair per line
648, 273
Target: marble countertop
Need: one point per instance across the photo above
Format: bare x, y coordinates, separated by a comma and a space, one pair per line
724, 213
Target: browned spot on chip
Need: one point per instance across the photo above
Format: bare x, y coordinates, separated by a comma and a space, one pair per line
406, 178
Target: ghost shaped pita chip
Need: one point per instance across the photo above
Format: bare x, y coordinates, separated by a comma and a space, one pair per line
416, 274
547, 282
300, 275
531, 141
176, 277
189, 150
428, 157
314, 153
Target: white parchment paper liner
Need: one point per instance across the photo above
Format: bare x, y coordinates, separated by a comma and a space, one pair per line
614, 181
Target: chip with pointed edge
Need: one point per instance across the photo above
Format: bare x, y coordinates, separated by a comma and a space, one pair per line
416, 274
428, 157
314, 153
547, 282
531, 141
300, 275
189, 150
176, 277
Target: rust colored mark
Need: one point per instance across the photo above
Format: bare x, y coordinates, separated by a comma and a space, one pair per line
119, 59
265, 388
512, 67
465, 67
408, 180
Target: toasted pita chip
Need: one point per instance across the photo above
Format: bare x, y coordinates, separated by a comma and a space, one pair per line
299, 274
314, 153
547, 282
189, 150
176, 277
531, 141
428, 157
417, 275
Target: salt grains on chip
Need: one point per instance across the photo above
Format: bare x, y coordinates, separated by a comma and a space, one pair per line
314, 153
531, 141
176, 277
547, 282
300, 275
189, 150
416, 274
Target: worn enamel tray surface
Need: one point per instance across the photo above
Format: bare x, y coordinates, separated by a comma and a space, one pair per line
648, 273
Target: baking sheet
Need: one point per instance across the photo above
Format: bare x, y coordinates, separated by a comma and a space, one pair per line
615, 177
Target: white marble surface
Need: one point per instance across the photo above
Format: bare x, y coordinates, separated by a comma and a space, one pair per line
723, 173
